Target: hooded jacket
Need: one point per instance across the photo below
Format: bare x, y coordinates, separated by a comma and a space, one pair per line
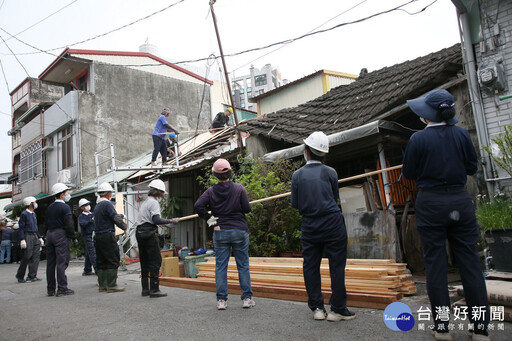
228, 201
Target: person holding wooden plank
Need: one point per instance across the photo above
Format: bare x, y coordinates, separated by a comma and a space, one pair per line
147, 239
228, 203
315, 195
107, 250
439, 158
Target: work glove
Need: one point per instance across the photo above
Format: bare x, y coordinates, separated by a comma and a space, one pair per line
41, 241
23, 244
212, 222
174, 221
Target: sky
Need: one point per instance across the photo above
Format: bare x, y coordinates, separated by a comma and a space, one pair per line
185, 32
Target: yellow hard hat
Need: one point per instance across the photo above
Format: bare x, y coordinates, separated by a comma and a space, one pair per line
230, 109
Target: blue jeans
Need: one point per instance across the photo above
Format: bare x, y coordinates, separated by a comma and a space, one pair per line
238, 241
5, 247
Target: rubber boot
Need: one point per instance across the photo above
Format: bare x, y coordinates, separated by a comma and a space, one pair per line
154, 290
145, 286
112, 281
102, 280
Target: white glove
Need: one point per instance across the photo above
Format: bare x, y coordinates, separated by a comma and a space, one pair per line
212, 221
41, 241
23, 244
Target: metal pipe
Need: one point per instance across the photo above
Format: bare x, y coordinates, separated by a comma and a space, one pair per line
474, 93
239, 140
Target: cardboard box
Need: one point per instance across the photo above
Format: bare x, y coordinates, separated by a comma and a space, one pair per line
167, 253
170, 267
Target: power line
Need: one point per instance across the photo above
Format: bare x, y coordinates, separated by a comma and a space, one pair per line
23, 67
317, 27
40, 21
106, 33
5, 77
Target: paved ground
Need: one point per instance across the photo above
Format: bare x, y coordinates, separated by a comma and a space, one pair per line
26, 313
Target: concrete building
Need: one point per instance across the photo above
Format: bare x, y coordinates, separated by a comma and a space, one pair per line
486, 32
257, 82
85, 101
300, 91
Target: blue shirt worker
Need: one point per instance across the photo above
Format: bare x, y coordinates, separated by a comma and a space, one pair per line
228, 203
159, 136
60, 232
30, 242
86, 222
6, 244
439, 158
315, 194
147, 239
107, 250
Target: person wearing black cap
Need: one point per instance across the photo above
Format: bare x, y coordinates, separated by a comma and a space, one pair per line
61, 230
159, 140
439, 158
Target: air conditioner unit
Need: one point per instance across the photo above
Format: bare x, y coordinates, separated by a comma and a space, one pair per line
64, 176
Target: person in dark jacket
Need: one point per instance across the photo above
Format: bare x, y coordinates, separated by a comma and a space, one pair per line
60, 232
15, 239
159, 136
315, 195
439, 158
147, 239
107, 250
6, 244
228, 203
222, 119
30, 242
86, 222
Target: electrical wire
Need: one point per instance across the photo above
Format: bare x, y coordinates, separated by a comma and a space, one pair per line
208, 66
108, 32
5, 77
40, 21
16, 57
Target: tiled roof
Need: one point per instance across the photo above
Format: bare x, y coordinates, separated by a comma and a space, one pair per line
360, 102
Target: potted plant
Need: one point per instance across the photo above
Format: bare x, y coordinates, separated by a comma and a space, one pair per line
495, 216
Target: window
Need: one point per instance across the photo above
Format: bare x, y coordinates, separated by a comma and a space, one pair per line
30, 162
242, 103
241, 91
81, 83
249, 90
260, 80
65, 148
261, 92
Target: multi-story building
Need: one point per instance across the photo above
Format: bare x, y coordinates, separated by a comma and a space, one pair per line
85, 101
257, 82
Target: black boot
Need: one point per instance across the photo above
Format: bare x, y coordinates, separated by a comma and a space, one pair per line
154, 288
145, 286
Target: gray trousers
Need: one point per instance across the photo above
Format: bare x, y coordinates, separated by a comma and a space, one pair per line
57, 259
30, 256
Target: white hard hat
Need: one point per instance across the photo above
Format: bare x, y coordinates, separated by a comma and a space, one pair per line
83, 202
59, 188
28, 200
105, 187
10, 224
318, 142
16, 226
157, 184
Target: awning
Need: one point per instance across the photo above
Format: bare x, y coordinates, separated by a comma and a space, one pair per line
350, 135
20, 202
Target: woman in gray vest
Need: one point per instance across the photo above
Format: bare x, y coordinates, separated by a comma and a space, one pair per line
147, 239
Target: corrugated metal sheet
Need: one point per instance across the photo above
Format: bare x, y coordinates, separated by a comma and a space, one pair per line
132, 61
335, 81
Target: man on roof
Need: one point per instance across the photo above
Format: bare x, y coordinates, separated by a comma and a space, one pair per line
222, 119
159, 136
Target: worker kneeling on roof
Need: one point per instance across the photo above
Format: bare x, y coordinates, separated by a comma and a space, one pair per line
147, 239
315, 195
107, 250
229, 203
222, 119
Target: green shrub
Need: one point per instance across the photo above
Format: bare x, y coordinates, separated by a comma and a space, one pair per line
495, 214
274, 225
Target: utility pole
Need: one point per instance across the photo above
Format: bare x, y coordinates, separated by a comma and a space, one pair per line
239, 137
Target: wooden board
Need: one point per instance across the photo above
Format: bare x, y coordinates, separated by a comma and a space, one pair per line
120, 210
498, 292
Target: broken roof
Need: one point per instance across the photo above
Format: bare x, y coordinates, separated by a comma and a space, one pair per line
362, 101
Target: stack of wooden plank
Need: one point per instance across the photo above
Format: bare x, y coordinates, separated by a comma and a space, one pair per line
370, 283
